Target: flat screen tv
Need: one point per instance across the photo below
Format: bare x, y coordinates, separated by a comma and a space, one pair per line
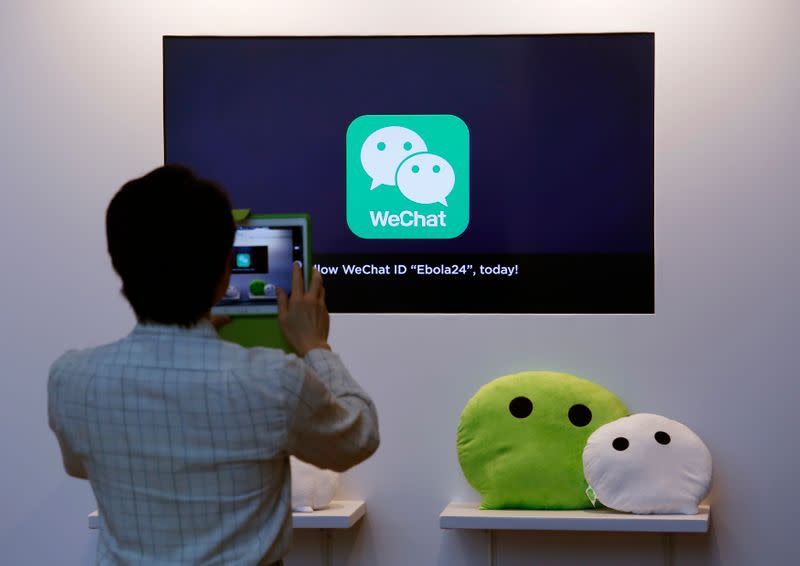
447, 174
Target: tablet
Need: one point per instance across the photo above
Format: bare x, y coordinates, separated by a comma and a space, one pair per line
264, 250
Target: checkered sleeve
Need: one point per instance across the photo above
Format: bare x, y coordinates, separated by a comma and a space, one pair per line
55, 386
333, 422
52, 398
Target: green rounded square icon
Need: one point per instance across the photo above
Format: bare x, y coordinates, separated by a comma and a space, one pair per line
407, 176
242, 260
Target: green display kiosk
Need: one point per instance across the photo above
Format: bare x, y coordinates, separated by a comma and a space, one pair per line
249, 329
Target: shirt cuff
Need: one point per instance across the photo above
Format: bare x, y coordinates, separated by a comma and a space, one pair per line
320, 359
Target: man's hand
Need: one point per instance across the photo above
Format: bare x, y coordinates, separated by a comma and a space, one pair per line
304, 318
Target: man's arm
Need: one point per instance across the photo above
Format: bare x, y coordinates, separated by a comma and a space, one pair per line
72, 463
334, 424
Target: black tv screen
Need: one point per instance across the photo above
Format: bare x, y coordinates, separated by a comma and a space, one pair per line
457, 174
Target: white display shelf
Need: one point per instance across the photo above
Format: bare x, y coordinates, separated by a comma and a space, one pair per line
340, 514
467, 516
94, 519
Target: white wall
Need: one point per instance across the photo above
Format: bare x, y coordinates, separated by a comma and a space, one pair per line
80, 86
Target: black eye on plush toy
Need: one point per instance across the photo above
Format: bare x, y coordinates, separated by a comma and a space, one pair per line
580, 415
520, 407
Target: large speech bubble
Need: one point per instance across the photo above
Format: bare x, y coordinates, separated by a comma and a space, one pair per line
426, 178
385, 149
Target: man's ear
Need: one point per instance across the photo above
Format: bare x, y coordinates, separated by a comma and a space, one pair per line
222, 286
229, 265
228, 269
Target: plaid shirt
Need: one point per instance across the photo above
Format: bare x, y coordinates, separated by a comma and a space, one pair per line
186, 438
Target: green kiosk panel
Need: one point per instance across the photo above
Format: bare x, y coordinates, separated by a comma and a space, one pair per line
265, 249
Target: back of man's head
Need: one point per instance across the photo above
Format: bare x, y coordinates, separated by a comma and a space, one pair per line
169, 236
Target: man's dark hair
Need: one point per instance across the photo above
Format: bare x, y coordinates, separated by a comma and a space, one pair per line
169, 236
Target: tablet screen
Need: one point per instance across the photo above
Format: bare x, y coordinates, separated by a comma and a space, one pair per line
264, 251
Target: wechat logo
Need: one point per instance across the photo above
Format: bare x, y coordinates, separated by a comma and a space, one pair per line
398, 156
242, 260
408, 176
385, 149
426, 178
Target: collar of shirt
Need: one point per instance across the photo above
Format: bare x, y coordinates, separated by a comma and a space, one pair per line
203, 329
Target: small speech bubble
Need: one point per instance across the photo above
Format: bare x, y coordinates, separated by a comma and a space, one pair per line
426, 178
385, 149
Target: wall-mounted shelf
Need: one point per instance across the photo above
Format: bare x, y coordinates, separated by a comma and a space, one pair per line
340, 514
468, 516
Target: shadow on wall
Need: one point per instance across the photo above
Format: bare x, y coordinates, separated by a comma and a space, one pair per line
309, 546
521, 548
57, 531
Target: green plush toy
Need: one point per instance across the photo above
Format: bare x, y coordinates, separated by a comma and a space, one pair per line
521, 437
257, 287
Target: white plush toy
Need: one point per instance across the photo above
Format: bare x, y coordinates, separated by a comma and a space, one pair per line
312, 487
647, 464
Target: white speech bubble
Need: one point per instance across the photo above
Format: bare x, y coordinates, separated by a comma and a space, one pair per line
426, 178
647, 463
385, 149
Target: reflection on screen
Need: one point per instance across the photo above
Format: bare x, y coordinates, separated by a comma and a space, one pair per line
262, 263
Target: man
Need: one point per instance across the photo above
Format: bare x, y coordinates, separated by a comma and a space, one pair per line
185, 438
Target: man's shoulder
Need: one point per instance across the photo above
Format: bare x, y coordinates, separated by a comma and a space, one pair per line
78, 361
82, 356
